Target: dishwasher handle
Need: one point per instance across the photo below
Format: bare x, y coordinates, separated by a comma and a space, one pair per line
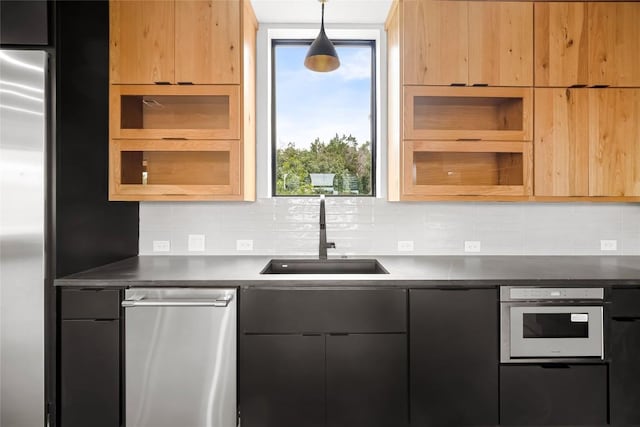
141, 302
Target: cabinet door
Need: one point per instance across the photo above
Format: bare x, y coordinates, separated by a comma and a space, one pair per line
90, 373
454, 357
459, 168
282, 381
561, 44
624, 374
142, 42
501, 43
207, 43
614, 142
614, 43
366, 380
435, 43
561, 142
565, 395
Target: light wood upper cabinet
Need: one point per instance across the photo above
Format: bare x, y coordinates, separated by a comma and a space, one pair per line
614, 142
208, 46
501, 43
182, 100
561, 44
586, 142
435, 47
614, 47
142, 42
184, 41
561, 142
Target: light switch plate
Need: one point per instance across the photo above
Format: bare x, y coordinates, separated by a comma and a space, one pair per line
244, 245
196, 243
608, 245
405, 245
161, 246
472, 245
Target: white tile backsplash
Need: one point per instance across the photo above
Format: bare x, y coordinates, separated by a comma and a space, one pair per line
362, 226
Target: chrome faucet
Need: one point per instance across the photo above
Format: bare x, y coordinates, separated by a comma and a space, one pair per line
323, 232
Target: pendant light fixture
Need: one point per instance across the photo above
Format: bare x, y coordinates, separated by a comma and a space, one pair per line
322, 55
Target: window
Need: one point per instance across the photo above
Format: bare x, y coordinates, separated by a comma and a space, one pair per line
323, 124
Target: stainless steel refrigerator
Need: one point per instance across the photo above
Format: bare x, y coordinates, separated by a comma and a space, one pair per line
22, 236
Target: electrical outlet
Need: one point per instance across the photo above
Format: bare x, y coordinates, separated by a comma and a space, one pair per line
244, 245
161, 246
405, 245
608, 245
196, 243
472, 245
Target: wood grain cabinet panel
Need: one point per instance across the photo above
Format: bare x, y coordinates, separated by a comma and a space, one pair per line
142, 42
501, 43
614, 31
561, 44
207, 41
561, 142
467, 168
435, 48
614, 142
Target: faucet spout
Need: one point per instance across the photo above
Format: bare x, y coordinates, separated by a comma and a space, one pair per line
323, 232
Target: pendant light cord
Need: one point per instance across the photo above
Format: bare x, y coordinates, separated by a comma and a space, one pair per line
322, 20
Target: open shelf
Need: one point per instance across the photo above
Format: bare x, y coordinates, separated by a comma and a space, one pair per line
203, 111
174, 170
450, 168
456, 113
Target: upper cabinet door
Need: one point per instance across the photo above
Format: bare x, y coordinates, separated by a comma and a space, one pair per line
501, 43
561, 44
142, 42
614, 132
207, 44
614, 29
561, 146
435, 44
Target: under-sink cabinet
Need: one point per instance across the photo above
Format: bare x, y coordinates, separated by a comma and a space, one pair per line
323, 358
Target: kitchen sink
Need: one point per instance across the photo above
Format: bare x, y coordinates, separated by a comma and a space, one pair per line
324, 266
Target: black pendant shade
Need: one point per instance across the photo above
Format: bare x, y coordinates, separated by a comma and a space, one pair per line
322, 55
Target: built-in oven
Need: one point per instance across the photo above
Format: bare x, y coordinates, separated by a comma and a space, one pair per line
551, 324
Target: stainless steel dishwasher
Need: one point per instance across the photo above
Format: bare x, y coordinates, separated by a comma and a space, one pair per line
180, 357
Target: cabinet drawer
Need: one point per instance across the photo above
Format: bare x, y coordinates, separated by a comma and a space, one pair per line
323, 311
90, 304
625, 303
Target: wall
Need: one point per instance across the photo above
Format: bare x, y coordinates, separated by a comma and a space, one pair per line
373, 226
289, 226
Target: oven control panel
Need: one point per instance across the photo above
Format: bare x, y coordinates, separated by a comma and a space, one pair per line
508, 293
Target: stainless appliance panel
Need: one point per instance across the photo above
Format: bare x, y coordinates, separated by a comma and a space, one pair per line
589, 346
523, 293
22, 226
180, 358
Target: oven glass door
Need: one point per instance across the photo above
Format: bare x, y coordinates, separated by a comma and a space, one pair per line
553, 331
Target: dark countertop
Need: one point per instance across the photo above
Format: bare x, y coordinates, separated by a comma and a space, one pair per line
404, 271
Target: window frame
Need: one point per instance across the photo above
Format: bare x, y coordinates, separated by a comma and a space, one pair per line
366, 42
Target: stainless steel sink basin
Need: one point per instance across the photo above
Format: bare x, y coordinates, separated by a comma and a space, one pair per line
323, 266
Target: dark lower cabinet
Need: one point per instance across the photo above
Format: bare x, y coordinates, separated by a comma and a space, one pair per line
282, 381
366, 380
316, 358
454, 357
90, 373
553, 395
624, 372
